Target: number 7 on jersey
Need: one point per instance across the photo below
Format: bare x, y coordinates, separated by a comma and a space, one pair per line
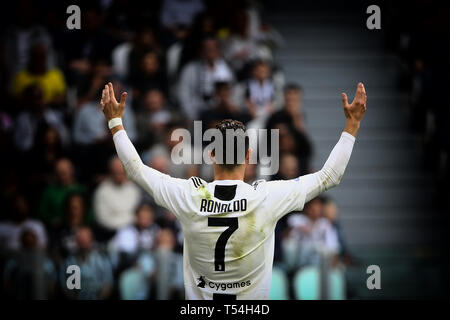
219, 251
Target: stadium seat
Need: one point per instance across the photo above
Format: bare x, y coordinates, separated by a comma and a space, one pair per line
307, 284
279, 286
133, 285
336, 289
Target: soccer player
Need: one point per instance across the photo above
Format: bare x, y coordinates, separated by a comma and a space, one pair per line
228, 225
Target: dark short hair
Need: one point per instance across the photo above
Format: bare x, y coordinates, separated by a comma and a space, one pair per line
219, 85
293, 86
313, 200
260, 62
70, 196
239, 131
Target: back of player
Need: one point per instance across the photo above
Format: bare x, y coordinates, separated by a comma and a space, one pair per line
228, 225
229, 239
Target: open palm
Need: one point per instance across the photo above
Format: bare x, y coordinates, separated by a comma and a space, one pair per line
355, 111
110, 107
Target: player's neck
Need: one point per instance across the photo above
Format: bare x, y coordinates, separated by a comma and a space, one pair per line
223, 174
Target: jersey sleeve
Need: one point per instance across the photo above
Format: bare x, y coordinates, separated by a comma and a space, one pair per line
284, 196
291, 195
168, 192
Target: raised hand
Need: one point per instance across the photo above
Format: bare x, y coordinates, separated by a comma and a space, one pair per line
355, 111
110, 107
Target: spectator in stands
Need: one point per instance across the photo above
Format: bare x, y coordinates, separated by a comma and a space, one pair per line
223, 107
115, 201
149, 74
170, 222
75, 217
36, 113
145, 40
152, 118
169, 276
90, 126
136, 238
260, 91
95, 269
331, 213
203, 26
196, 85
30, 274
160, 153
49, 80
88, 47
179, 12
47, 149
22, 34
51, 204
174, 55
288, 167
20, 221
93, 81
290, 121
313, 234
242, 45
287, 144
292, 112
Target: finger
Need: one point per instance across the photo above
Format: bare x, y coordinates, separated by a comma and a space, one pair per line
102, 100
107, 98
365, 94
344, 99
360, 94
123, 99
111, 92
362, 87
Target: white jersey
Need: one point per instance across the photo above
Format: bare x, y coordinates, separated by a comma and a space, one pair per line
228, 225
228, 229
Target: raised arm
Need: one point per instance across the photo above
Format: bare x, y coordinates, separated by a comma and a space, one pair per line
333, 170
167, 191
143, 175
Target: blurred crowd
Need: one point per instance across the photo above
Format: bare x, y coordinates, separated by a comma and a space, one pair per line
64, 194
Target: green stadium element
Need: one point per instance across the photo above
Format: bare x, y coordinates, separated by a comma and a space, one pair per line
279, 286
307, 284
133, 285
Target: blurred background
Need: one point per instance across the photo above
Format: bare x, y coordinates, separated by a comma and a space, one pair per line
66, 200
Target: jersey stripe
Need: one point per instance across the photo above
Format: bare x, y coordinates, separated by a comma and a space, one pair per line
196, 181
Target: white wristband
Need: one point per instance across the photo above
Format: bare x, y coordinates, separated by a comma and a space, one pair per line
114, 122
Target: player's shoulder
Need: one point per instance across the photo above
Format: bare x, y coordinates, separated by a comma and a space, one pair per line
262, 184
259, 184
281, 183
197, 182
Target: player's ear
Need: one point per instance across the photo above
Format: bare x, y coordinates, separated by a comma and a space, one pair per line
212, 156
248, 155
